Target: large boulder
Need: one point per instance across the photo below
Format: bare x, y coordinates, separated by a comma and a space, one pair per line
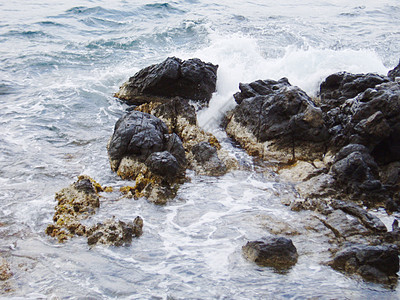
190, 79
276, 252
140, 136
141, 148
373, 263
274, 119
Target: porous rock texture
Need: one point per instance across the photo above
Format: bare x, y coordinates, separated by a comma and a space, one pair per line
77, 203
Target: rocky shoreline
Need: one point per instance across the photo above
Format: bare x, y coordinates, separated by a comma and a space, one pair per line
341, 150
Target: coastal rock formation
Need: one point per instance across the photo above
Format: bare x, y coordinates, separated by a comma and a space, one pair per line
392, 74
339, 87
190, 79
115, 233
142, 149
349, 139
373, 263
203, 151
74, 204
157, 141
77, 203
276, 252
277, 121
343, 145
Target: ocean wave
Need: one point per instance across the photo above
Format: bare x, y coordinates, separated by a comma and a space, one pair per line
163, 7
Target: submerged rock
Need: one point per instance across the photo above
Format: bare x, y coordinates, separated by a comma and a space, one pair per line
275, 120
277, 252
5, 271
74, 204
190, 79
77, 203
115, 233
373, 263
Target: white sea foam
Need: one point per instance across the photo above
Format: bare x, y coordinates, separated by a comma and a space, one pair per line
240, 59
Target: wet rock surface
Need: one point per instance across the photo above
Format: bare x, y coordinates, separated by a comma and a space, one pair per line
339, 87
142, 149
374, 263
115, 233
77, 203
276, 252
340, 151
190, 79
138, 135
152, 144
203, 151
5, 271
275, 120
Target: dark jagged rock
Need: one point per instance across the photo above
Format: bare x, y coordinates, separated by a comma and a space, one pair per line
207, 158
115, 233
392, 74
277, 252
180, 117
355, 168
138, 135
371, 119
175, 109
339, 87
373, 263
163, 164
274, 119
369, 221
191, 79
142, 149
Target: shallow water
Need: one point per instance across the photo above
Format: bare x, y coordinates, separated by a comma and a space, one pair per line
60, 65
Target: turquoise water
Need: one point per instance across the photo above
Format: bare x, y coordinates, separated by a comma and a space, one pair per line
61, 62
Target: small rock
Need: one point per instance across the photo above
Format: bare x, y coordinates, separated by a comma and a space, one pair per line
373, 263
207, 158
5, 271
115, 233
277, 252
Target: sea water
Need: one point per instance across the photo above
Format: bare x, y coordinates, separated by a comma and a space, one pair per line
61, 62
